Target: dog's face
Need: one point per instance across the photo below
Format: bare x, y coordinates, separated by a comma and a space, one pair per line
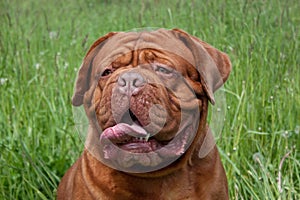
148, 110
145, 96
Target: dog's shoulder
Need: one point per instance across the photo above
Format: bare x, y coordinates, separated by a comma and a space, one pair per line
65, 187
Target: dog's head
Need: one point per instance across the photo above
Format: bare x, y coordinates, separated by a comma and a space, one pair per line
145, 94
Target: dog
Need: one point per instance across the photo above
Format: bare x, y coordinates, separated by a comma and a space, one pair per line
146, 96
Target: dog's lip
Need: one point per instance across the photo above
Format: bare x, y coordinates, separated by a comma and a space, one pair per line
130, 118
140, 146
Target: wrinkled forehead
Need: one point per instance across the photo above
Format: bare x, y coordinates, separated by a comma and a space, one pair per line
125, 42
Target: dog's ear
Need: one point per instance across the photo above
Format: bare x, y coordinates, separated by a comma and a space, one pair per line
213, 65
84, 73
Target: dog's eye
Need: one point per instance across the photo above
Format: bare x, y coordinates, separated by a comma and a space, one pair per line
163, 70
106, 72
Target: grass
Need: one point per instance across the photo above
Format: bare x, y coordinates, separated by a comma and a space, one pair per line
43, 42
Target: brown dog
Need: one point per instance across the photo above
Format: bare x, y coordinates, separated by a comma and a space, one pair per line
146, 97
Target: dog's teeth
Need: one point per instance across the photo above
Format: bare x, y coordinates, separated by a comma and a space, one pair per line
142, 139
147, 137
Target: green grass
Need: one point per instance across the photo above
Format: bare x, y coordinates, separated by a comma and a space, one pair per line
42, 44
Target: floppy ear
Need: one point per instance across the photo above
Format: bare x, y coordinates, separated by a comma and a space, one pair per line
213, 65
84, 73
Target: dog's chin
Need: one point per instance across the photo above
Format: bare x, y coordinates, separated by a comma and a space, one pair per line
128, 147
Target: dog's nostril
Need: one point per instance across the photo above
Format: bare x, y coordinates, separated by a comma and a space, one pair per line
138, 82
121, 82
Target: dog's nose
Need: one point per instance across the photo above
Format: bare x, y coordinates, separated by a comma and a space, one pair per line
130, 83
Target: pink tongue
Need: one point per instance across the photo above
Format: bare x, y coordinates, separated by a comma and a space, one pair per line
122, 129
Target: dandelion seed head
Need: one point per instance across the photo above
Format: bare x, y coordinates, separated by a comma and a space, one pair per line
53, 35
3, 81
37, 66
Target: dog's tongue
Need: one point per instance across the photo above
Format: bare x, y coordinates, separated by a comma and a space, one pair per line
122, 130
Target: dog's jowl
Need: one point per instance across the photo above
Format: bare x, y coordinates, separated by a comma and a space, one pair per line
146, 96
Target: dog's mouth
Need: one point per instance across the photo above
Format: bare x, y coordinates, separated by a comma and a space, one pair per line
132, 138
130, 135
127, 144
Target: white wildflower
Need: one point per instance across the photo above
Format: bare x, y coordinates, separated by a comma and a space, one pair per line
37, 66
3, 81
66, 65
53, 35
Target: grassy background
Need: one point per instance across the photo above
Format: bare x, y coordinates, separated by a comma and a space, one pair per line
42, 44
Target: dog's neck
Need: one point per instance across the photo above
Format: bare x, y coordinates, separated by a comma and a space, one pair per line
154, 185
